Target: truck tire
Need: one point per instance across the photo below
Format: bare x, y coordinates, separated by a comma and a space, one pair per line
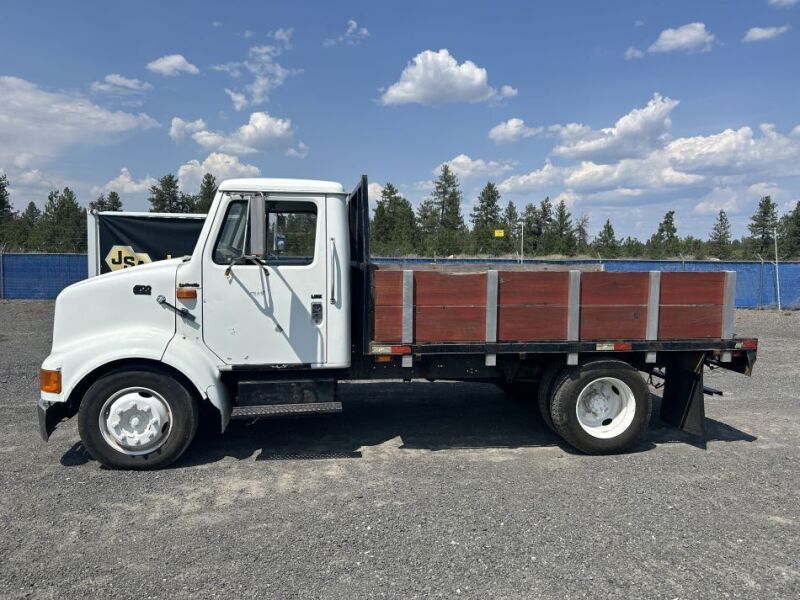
545, 392
137, 419
601, 407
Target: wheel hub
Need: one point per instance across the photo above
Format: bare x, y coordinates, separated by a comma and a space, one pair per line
605, 407
135, 421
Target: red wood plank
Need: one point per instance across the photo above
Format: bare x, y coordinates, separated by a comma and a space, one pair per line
689, 322
388, 324
449, 324
532, 288
531, 323
692, 288
388, 289
432, 288
613, 322
614, 289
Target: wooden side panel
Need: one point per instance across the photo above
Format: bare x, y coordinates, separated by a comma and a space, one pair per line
689, 322
432, 288
614, 306
449, 307
388, 288
680, 289
691, 305
532, 306
388, 324
449, 324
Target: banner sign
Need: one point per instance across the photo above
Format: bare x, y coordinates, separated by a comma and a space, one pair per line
125, 240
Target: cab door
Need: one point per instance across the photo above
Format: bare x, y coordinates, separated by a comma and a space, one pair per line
269, 311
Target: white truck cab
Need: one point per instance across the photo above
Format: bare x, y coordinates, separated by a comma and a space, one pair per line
266, 288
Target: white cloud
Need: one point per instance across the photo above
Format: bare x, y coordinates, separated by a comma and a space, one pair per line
692, 37
267, 73
248, 34
352, 35
465, 167
634, 134
220, 165
124, 183
115, 83
783, 3
38, 125
732, 152
179, 128
633, 53
433, 78
172, 65
547, 177
760, 34
299, 151
217, 23
260, 132
511, 131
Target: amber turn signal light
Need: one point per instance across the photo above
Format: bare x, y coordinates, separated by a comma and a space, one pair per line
50, 381
186, 294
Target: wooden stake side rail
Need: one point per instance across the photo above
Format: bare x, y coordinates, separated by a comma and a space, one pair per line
510, 307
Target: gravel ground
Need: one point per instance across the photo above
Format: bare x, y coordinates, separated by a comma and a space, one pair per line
424, 490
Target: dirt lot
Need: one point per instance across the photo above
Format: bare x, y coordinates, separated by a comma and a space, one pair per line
417, 490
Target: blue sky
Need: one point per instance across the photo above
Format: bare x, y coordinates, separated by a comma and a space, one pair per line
623, 109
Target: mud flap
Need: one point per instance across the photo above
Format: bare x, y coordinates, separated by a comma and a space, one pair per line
683, 404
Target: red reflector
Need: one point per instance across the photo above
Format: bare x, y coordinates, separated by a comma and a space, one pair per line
622, 346
750, 344
400, 349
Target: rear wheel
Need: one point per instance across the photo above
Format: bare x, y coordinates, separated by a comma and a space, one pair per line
601, 407
137, 419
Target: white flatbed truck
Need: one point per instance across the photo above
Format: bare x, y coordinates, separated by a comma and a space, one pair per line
279, 301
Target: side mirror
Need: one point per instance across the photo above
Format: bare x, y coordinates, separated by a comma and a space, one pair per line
258, 226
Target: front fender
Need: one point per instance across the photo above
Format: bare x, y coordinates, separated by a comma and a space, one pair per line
78, 360
196, 363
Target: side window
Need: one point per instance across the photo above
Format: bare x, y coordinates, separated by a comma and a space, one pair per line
291, 232
232, 237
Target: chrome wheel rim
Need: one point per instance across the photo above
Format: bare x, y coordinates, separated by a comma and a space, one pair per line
135, 421
606, 407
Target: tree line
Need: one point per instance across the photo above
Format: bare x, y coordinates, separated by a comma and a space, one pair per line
437, 228
60, 226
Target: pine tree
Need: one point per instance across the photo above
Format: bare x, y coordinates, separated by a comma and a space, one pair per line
606, 244
440, 216
790, 232
27, 223
563, 233
582, 234
167, 197
7, 215
113, 201
208, 189
485, 219
763, 224
393, 231
665, 241
62, 226
719, 241
545, 242
512, 225
532, 222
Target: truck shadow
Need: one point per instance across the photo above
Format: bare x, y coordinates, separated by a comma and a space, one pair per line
417, 416
397, 417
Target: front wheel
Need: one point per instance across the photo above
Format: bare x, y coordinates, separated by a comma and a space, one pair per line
601, 407
137, 419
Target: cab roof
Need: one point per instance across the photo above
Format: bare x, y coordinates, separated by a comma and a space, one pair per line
266, 184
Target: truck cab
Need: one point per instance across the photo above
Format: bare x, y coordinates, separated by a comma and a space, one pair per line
266, 289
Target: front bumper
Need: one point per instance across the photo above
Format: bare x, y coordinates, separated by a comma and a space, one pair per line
50, 415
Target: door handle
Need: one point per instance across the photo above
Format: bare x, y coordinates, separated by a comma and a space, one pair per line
333, 271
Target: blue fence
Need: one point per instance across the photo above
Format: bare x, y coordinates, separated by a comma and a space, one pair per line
43, 276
